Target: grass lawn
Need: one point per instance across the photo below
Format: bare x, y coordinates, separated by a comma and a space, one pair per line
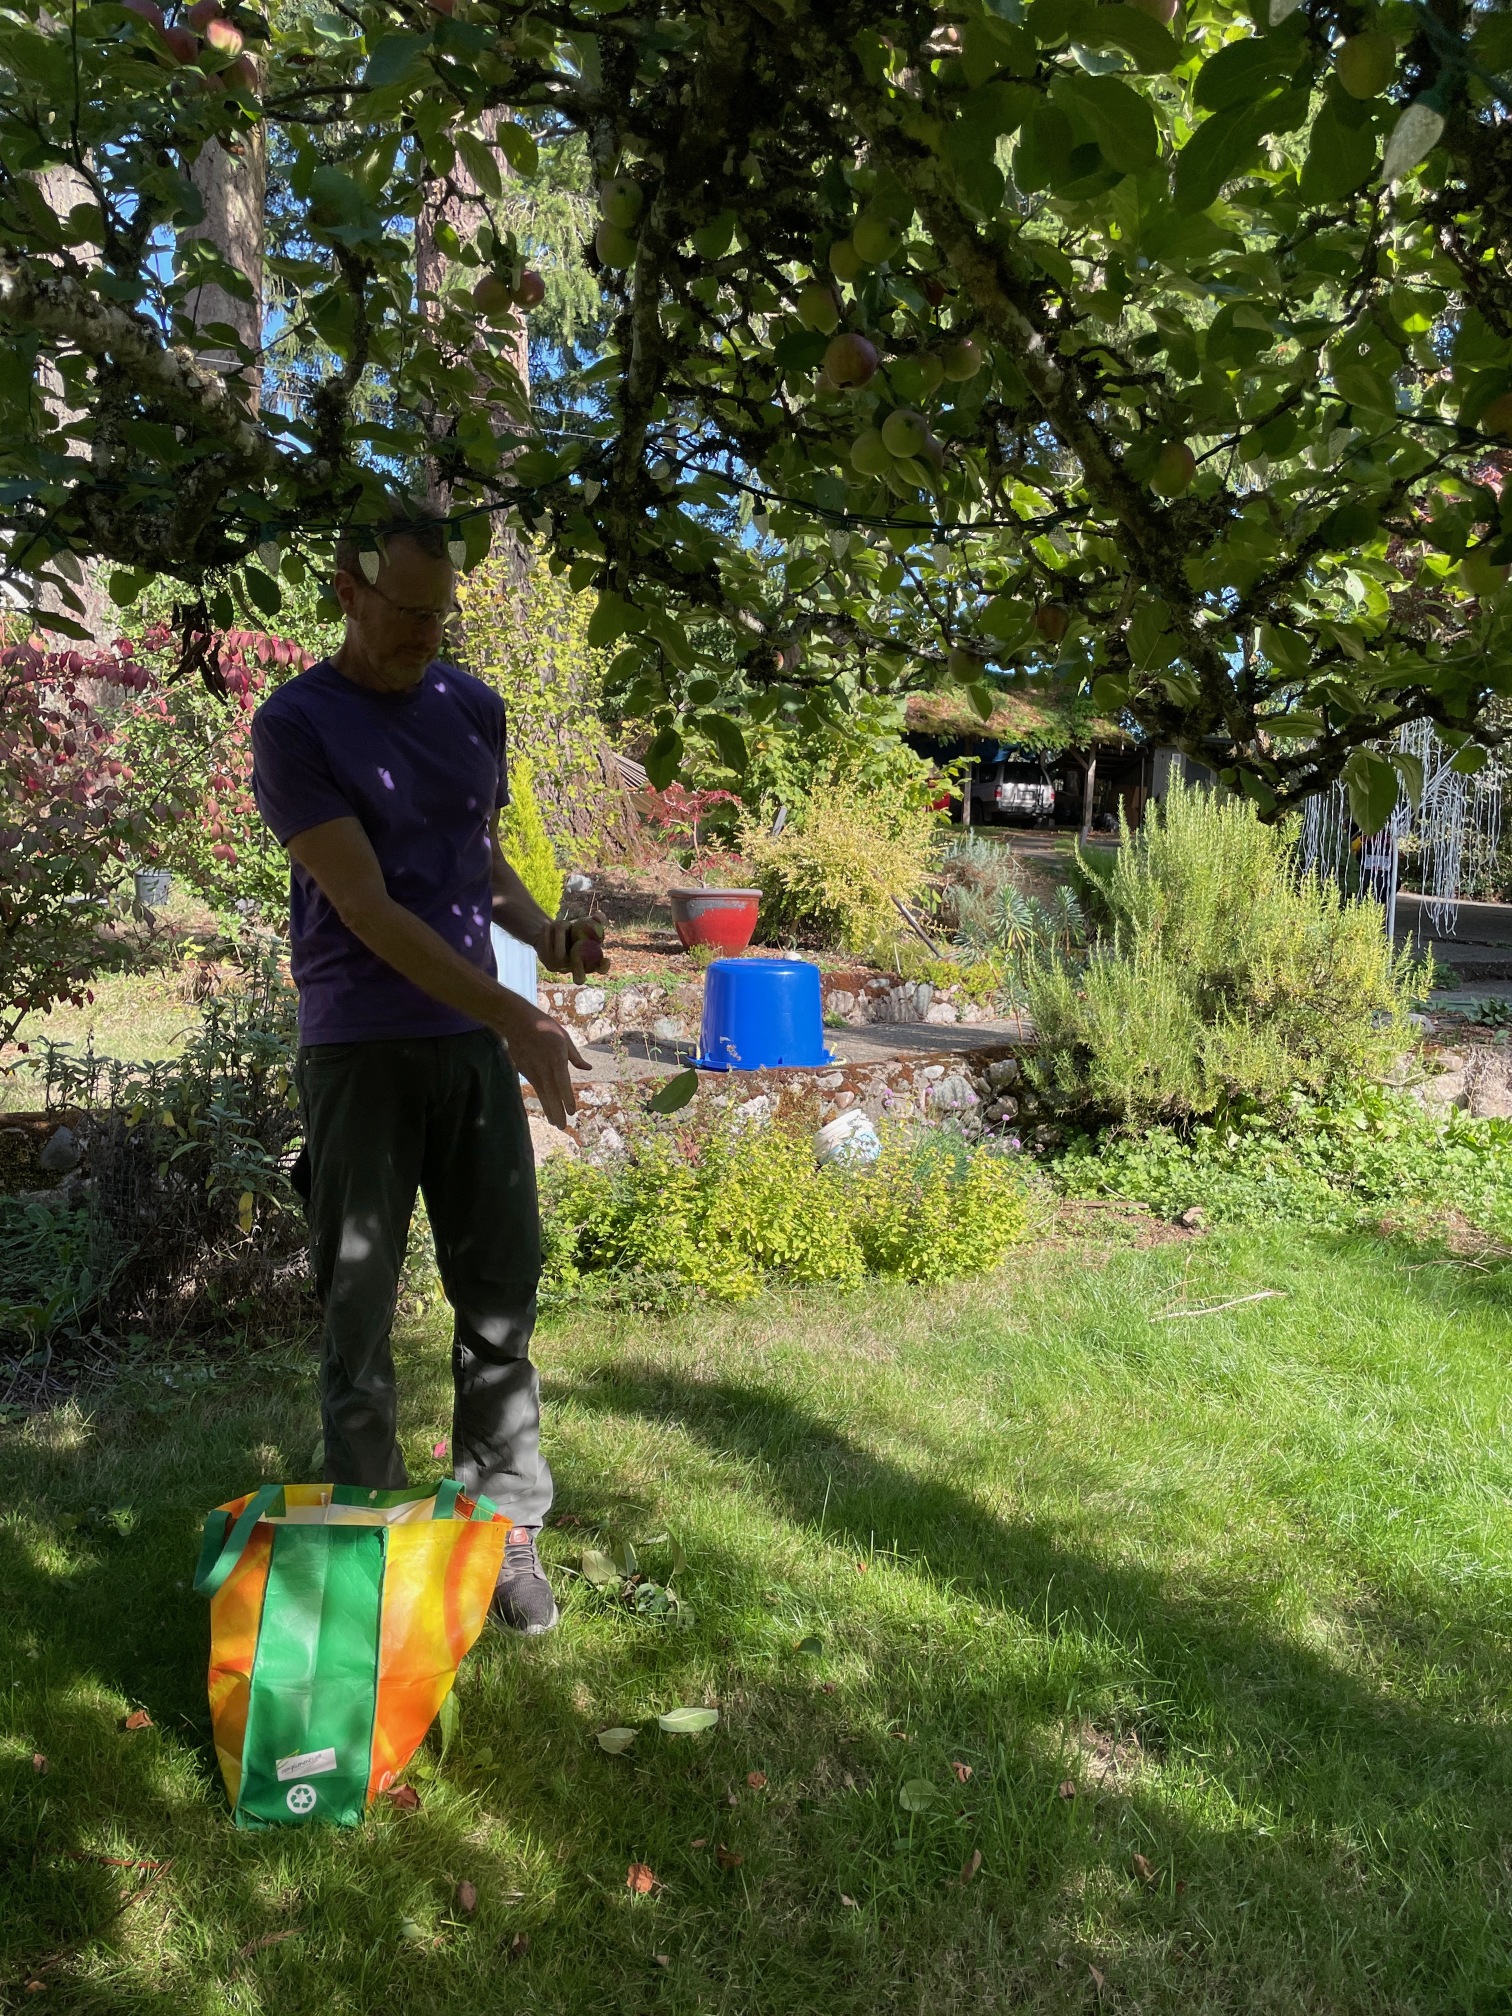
1239, 1582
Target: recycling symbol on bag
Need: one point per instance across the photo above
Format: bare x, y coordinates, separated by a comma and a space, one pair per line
301, 1799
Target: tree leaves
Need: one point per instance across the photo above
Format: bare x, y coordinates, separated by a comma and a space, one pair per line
1373, 786
1121, 121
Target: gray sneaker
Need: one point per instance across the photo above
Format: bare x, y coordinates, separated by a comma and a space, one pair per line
522, 1598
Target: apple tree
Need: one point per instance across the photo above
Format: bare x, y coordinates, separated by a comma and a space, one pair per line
1160, 353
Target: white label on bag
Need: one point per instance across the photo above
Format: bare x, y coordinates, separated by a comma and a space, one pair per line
309, 1764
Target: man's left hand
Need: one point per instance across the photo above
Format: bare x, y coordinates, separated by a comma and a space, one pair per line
575, 947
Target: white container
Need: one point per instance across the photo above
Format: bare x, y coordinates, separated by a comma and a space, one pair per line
515, 964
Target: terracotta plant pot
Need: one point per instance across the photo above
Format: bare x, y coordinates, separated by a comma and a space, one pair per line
724, 918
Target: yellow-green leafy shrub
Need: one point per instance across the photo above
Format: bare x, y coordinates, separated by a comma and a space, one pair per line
527, 635
526, 843
722, 1209
938, 1212
830, 876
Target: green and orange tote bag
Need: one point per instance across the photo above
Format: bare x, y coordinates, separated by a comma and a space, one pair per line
338, 1619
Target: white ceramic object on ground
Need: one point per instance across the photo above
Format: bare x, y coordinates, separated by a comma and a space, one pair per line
850, 1140
515, 964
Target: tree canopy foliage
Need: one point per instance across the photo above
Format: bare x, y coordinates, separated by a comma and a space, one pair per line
1160, 353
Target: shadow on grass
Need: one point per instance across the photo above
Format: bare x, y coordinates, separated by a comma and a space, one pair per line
1332, 1846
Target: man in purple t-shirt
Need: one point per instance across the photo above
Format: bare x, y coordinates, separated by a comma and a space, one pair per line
382, 771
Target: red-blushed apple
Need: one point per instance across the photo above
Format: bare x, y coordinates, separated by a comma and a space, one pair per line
592, 952
242, 76
224, 37
447, 7
1175, 468
1163, 11
1052, 620
933, 290
183, 44
202, 13
145, 10
530, 289
851, 361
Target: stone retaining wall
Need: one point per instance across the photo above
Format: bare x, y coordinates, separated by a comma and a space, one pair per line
981, 1092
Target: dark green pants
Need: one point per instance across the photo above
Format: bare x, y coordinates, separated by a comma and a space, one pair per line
442, 1115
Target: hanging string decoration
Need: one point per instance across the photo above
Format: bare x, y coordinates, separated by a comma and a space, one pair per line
1455, 829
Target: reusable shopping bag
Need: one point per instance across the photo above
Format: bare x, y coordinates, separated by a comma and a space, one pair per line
338, 1619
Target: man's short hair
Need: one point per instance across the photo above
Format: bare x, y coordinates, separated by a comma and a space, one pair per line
432, 535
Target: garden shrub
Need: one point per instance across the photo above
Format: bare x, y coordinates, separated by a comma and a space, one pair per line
526, 843
831, 875
1224, 974
190, 1214
1338, 1165
721, 1209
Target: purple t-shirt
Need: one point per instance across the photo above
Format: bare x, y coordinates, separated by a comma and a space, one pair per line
424, 772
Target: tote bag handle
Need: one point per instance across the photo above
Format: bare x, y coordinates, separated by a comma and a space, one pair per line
218, 1558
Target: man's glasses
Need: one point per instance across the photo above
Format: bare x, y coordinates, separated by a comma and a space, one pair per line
409, 612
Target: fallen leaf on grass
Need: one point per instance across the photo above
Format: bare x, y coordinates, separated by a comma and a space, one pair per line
410, 1932
641, 1879
863, 1567
615, 1741
1098, 1977
599, 1569
962, 1772
662, 1959
405, 1797
756, 1780
701, 1842
137, 1719
688, 1721
1066, 1789
39, 1764
813, 1646
901, 1735
1144, 1868
467, 1898
519, 1946
970, 1868
268, 1939
849, 1902
827, 1687
36, 1987
727, 1858
439, 1451
567, 1519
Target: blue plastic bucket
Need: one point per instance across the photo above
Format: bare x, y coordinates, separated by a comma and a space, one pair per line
759, 1013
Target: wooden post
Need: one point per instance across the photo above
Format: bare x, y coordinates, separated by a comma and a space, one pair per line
1090, 780
966, 791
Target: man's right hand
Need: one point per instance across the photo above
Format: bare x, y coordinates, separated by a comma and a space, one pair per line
541, 1050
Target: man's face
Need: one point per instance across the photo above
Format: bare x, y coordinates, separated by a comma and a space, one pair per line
396, 621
